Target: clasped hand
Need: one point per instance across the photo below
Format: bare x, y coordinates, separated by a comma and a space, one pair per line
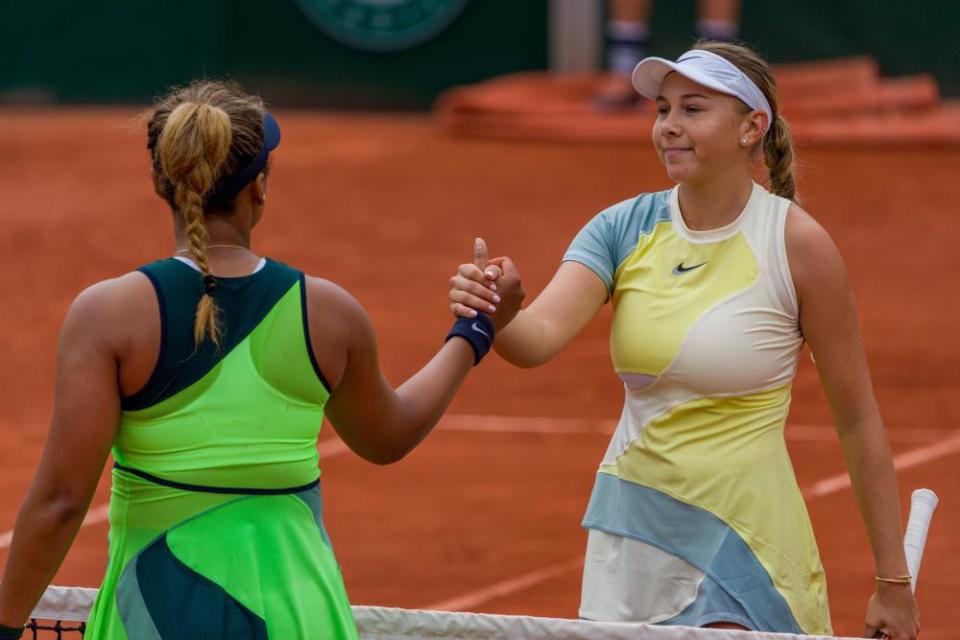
490, 286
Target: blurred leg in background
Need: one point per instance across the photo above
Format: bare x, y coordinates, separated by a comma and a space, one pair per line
628, 40
718, 19
627, 36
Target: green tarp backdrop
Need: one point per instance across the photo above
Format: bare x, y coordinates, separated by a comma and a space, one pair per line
128, 52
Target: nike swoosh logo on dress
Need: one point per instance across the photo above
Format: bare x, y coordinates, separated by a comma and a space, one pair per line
679, 269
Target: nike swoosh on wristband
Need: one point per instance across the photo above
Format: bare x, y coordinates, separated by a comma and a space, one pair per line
477, 328
677, 270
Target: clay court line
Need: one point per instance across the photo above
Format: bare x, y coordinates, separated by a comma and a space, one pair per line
558, 425
901, 461
507, 587
94, 516
830, 485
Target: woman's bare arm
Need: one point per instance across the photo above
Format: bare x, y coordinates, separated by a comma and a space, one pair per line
539, 332
828, 319
85, 417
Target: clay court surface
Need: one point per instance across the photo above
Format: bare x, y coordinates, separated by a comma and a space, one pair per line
485, 515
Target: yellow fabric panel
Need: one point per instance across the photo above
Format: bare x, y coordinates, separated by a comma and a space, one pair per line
728, 456
654, 308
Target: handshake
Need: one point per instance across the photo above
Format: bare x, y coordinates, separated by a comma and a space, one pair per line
490, 286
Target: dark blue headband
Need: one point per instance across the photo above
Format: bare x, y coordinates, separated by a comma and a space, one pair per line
228, 187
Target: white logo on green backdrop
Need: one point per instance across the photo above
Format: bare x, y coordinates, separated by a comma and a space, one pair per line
382, 25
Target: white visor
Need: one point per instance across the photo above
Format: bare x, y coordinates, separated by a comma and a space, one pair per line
703, 67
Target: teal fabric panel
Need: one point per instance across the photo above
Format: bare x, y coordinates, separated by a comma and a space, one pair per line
184, 604
243, 302
132, 609
642, 513
314, 499
612, 235
713, 604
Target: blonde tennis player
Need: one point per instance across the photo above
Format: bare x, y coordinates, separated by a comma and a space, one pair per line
207, 373
696, 517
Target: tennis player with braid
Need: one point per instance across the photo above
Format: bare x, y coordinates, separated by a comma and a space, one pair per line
208, 374
696, 517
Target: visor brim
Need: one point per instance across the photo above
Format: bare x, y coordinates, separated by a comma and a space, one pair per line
648, 75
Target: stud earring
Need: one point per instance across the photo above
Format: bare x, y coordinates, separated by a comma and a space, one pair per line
743, 142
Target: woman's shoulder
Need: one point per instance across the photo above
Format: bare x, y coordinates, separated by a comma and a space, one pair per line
803, 234
329, 303
811, 252
112, 294
633, 216
109, 308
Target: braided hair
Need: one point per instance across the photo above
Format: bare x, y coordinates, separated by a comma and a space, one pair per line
197, 135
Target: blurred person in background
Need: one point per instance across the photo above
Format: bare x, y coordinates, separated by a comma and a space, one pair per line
628, 39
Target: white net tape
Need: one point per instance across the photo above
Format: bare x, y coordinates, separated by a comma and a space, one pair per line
385, 623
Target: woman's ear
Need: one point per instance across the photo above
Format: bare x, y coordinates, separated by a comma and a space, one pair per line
753, 127
260, 192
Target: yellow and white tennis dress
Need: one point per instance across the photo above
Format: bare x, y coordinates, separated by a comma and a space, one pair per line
696, 516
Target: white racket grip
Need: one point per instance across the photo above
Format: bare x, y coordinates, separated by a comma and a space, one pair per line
922, 504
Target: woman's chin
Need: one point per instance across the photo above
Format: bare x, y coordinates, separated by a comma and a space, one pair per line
678, 172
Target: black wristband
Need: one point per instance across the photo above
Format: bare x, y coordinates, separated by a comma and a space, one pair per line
477, 331
10, 633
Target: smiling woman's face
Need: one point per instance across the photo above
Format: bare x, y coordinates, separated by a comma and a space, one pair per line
698, 130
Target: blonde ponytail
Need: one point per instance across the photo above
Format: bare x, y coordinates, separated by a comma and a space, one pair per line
197, 135
191, 151
779, 158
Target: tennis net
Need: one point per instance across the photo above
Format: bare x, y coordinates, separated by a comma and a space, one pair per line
62, 612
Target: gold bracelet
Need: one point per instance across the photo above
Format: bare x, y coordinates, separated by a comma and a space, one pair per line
907, 579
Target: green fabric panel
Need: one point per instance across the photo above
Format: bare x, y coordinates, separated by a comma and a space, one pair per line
243, 302
265, 544
140, 511
251, 421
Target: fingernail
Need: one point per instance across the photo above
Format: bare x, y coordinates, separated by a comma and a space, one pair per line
493, 287
473, 314
496, 298
491, 308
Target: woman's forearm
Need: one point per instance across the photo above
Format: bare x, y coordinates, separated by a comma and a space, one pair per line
523, 342
428, 393
874, 481
44, 531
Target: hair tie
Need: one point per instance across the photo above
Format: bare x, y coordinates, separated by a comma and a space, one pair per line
209, 284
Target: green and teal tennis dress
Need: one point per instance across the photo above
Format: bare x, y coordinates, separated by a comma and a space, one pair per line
215, 513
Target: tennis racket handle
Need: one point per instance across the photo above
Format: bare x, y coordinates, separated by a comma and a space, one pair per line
922, 504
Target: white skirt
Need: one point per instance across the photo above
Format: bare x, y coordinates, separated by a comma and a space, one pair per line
625, 580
